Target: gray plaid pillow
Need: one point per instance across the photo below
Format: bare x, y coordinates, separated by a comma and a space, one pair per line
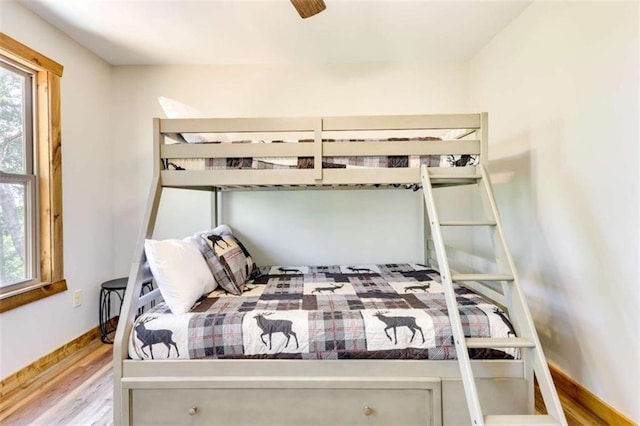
228, 259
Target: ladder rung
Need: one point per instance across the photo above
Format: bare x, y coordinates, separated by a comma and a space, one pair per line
452, 176
494, 342
468, 223
482, 277
513, 420
454, 171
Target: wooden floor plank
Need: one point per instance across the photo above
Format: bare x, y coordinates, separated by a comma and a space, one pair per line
79, 391
78, 406
24, 404
576, 415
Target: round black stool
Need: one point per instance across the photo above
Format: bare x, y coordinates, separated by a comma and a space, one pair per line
108, 289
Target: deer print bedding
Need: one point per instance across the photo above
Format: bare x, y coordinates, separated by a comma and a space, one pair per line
392, 311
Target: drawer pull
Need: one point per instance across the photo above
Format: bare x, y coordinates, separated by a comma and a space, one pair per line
193, 410
368, 410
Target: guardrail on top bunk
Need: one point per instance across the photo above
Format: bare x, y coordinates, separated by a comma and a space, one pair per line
315, 148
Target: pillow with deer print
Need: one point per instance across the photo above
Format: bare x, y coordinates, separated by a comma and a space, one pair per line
230, 262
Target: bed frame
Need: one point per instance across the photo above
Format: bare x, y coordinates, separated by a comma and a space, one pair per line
295, 392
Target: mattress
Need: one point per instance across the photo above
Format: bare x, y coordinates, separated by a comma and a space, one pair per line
382, 311
378, 161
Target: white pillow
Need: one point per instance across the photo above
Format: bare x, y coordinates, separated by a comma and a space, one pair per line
176, 109
180, 271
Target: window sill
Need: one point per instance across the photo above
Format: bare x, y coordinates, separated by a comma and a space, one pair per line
13, 301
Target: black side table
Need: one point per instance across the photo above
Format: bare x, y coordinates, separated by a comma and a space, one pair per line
108, 289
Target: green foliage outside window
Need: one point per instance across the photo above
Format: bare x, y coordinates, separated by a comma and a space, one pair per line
12, 161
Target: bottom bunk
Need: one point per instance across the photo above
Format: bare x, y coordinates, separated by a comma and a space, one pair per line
344, 345
380, 311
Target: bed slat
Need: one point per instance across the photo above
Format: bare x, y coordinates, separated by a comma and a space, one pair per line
235, 125
401, 148
237, 150
402, 122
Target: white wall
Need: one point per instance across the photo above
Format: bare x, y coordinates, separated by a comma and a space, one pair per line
286, 227
561, 86
34, 330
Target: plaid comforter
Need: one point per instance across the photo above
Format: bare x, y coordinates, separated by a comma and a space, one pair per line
393, 311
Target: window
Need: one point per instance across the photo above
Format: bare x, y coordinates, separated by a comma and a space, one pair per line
18, 187
30, 176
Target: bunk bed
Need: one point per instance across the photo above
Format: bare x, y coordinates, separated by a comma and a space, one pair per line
257, 388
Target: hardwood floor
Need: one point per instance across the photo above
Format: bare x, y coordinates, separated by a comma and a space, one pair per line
78, 391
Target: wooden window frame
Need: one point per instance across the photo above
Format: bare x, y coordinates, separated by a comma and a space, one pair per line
47, 74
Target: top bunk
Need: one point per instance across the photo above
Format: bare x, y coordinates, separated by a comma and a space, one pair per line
319, 152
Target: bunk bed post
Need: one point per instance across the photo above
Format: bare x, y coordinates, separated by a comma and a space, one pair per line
139, 273
216, 207
426, 235
317, 151
483, 136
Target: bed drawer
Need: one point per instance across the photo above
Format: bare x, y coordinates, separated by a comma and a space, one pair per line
343, 406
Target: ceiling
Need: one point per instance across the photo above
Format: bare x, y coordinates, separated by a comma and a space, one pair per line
154, 32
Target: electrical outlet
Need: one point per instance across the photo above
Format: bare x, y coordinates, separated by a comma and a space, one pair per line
77, 298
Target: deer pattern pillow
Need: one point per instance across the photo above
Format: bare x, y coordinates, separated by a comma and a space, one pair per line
228, 259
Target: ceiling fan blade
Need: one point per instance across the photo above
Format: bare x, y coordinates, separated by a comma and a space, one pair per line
307, 8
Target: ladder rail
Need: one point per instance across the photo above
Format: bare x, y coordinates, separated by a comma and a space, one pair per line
505, 263
521, 315
462, 353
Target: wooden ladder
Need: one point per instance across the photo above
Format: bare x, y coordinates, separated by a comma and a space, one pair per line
512, 298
